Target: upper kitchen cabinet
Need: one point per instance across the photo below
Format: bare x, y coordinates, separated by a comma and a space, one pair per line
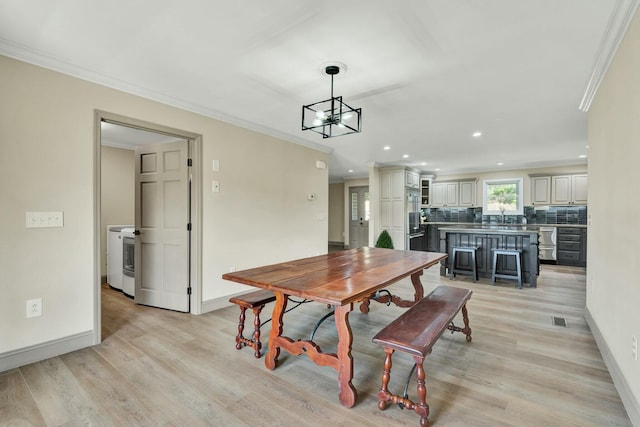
425, 190
392, 184
412, 179
541, 190
559, 190
453, 194
569, 190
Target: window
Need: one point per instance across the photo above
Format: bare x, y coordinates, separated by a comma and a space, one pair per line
502, 197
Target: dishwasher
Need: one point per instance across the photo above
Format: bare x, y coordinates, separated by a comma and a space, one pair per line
547, 243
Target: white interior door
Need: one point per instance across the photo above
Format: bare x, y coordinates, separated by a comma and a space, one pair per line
359, 217
161, 219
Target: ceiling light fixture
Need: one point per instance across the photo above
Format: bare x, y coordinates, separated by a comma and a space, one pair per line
386, 147
477, 134
332, 117
406, 156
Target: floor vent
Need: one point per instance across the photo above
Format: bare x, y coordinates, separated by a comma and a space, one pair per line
559, 321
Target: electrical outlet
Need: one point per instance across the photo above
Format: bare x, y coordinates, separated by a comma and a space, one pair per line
634, 347
34, 307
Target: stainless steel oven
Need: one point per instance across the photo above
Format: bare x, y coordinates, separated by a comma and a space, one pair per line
547, 241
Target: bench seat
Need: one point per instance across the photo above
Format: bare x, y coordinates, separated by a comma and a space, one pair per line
415, 332
255, 301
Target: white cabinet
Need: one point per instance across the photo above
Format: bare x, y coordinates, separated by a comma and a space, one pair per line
467, 193
454, 193
425, 191
569, 190
392, 185
393, 203
541, 190
412, 179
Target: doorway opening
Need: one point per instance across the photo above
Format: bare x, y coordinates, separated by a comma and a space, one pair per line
161, 171
359, 215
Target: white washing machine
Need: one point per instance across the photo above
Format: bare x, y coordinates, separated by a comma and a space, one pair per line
128, 261
114, 255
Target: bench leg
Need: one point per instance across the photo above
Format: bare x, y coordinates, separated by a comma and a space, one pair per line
384, 394
254, 342
421, 408
240, 337
257, 345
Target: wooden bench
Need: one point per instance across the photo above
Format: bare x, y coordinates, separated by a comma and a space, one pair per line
256, 302
415, 332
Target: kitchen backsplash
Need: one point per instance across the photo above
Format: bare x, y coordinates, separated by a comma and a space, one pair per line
552, 215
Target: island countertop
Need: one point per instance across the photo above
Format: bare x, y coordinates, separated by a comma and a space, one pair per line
491, 229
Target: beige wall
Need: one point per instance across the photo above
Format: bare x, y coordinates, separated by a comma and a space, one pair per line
47, 145
336, 212
613, 264
117, 193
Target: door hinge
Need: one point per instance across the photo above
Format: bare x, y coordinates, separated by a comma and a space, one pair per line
189, 290
189, 227
189, 162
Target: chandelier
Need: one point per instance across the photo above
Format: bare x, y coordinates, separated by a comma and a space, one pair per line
331, 117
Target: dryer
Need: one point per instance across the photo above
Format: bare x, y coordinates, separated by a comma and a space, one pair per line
128, 261
114, 255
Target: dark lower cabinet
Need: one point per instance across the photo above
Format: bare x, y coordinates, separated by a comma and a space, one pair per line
572, 246
432, 238
485, 243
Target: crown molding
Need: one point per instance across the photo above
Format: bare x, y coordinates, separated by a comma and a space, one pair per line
41, 59
619, 21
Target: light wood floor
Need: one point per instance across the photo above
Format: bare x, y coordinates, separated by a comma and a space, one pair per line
161, 368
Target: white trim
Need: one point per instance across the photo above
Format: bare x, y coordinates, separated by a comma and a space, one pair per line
520, 206
42, 59
616, 28
218, 303
35, 353
622, 386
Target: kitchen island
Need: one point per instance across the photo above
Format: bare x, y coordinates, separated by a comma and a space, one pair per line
489, 237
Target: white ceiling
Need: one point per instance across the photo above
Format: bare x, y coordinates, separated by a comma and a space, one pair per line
426, 73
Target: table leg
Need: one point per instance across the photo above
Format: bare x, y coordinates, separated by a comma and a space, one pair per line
271, 358
417, 285
348, 392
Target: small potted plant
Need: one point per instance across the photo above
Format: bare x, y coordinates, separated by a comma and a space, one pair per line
384, 240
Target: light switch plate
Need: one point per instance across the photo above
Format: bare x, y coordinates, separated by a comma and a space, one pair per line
44, 219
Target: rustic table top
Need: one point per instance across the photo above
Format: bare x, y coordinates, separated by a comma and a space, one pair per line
338, 278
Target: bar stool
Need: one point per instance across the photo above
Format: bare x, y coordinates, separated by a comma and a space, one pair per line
473, 272
517, 253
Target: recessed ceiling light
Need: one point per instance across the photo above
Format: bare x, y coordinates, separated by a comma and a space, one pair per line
437, 169
500, 163
586, 146
350, 170
406, 156
477, 134
423, 164
582, 156
386, 147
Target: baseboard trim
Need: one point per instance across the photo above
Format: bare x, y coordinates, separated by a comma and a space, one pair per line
336, 243
217, 303
35, 353
631, 405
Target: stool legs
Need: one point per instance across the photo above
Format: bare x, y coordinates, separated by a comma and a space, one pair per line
494, 273
452, 265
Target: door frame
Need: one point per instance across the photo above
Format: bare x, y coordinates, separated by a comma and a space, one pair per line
195, 249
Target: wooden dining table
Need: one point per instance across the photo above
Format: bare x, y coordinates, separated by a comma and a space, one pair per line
339, 279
